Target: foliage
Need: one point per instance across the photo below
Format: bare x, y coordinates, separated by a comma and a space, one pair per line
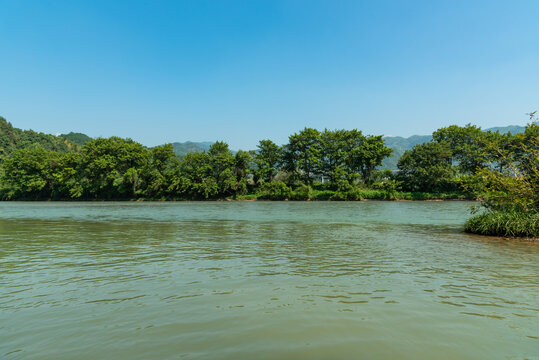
267, 159
518, 186
466, 146
333, 145
110, 168
339, 155
427, 167
276, 190
302, 154
303, 192
28, 174
366, 157
510, 193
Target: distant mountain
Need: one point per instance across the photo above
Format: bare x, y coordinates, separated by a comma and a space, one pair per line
77, 138
181, 149
514, 129
12, 139
400, 144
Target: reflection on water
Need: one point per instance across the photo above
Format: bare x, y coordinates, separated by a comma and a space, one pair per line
373, 280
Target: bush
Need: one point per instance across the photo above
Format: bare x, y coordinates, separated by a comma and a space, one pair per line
352, 195
245, 197
275, 190
303, 192
355, 194
339, 196
322, 195
504, 223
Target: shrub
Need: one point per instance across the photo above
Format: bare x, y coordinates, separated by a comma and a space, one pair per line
303, 192
339, 196
322, 195
275, 190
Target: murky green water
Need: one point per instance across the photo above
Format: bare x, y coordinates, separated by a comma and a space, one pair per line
261, 280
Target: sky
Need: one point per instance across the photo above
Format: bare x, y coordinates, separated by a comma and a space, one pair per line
242, 71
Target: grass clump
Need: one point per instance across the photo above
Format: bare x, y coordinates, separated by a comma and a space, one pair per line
504, 223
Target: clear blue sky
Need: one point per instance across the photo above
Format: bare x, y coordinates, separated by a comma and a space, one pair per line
241, 71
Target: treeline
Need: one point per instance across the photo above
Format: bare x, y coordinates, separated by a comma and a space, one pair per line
121, 169
324, 165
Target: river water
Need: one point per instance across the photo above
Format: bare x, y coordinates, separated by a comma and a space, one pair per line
262, 280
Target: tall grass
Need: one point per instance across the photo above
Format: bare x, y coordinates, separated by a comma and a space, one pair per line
504, 223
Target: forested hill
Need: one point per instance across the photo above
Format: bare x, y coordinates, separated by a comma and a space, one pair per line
77, 138
12, 139
400, 144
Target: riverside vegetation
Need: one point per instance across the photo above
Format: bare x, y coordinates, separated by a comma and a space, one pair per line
458, 163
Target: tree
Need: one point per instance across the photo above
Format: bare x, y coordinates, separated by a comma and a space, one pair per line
302, 154
221, 163
267, 159
427, 168
366, 155
66, 184
333, 154
242, 162
159, 172
28, 174
466, 144
110, 168
516, 188
195, 178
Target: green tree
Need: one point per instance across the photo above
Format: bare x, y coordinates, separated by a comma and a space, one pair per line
195, 179
466, 144
267, 158
160, 171
66, 174
367, 153
302, 154
427, 168
333, 147
242, 162
28, 174
222, 167
110, 168
516, 187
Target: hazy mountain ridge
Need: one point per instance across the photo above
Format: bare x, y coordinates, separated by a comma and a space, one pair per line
182, 148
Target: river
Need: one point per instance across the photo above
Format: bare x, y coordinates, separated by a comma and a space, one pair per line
262, 280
